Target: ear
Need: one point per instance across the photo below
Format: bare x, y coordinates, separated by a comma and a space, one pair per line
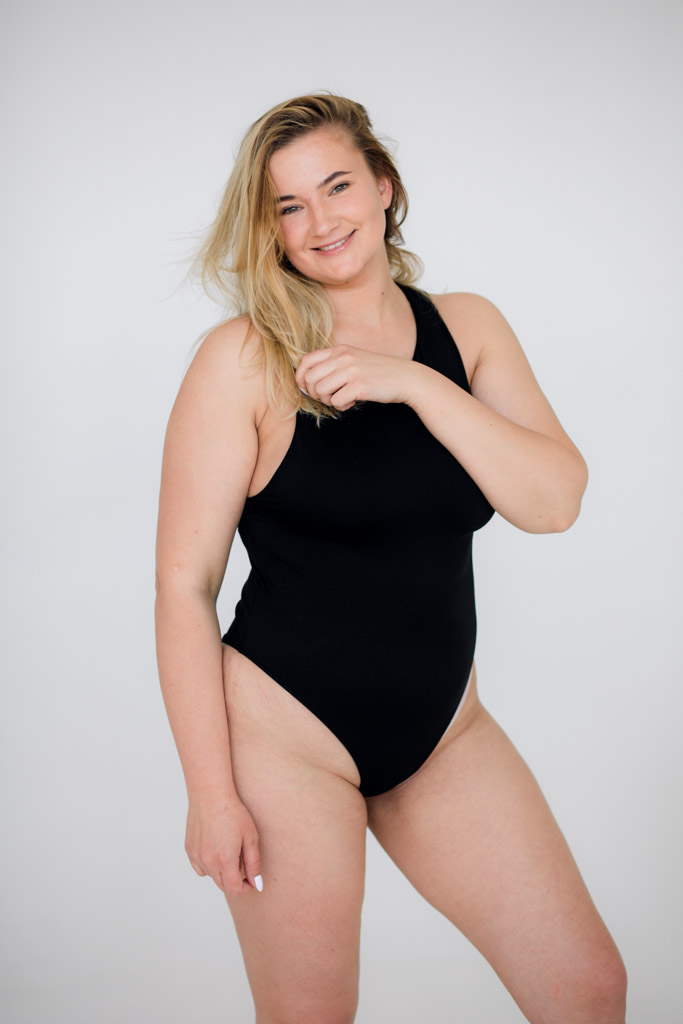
385, 190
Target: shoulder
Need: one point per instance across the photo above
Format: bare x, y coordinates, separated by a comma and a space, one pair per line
227, 366
225, 347
474, 322
467, 309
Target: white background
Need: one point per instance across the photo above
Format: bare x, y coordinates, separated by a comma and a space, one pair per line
540, 145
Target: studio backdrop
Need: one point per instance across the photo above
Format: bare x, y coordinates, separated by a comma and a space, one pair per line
540, 148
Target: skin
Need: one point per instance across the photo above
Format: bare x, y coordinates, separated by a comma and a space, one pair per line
273, 794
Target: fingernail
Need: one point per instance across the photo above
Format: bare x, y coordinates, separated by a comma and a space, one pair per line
258, 882
304, 391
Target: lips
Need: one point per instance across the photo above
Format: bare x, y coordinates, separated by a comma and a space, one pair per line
326, 248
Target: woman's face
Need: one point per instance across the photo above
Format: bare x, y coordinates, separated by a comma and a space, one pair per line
328, 194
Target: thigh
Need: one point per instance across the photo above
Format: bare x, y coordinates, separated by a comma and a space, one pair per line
299, 937
474, 834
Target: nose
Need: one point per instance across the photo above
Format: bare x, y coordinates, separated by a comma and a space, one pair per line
322, 220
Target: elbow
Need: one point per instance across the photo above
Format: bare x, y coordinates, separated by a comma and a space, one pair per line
556, 520
566, 505
568, 512
177, 581
166, 579
563, 520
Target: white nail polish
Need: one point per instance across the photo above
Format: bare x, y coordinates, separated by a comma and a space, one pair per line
258, 882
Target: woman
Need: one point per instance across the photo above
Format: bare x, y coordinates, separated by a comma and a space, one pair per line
357, 430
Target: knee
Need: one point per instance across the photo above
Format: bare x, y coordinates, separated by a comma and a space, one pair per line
597, 993
333, 1011
607, 990
334, 1016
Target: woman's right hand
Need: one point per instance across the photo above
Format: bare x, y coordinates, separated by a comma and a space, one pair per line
217, 838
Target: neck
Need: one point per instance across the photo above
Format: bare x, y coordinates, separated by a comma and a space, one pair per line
368, 304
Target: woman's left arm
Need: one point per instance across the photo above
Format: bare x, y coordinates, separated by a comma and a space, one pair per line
505, 433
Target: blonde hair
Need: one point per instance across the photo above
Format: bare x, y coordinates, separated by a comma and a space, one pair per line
242, 261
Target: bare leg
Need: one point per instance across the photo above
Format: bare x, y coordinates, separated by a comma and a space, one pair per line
474, 834
299, 937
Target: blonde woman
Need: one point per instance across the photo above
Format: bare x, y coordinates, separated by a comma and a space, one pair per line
357, 431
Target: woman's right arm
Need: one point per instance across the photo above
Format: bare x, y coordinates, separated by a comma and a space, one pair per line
209, 456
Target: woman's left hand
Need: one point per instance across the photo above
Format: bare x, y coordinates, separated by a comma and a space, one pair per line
343, 375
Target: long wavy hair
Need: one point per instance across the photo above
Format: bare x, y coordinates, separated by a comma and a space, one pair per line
242, 263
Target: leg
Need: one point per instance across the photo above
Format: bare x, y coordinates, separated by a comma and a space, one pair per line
473, 833
300, 937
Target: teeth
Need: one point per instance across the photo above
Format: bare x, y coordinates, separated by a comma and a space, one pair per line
326, 248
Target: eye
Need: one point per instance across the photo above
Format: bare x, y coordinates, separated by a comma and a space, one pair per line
288, 209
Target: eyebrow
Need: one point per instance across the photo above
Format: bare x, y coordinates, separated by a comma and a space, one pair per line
331, 177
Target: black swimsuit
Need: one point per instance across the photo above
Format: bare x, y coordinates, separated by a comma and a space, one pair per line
360, 598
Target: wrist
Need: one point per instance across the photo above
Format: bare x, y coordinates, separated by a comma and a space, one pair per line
216, 799
418, 381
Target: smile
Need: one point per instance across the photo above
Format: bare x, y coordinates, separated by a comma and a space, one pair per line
336, 246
